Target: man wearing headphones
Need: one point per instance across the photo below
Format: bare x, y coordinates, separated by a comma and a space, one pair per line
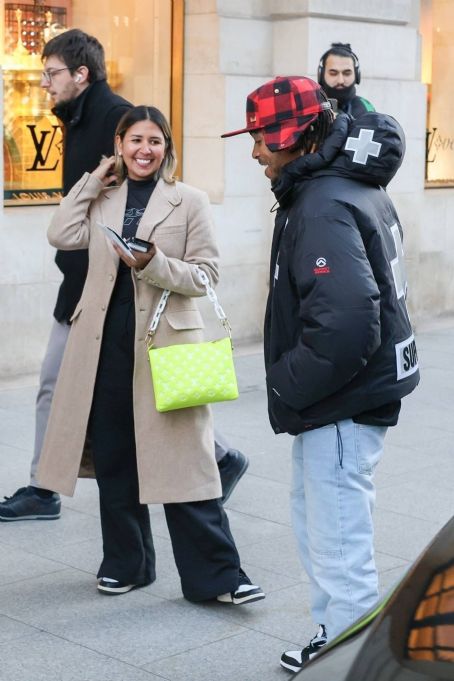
338, 74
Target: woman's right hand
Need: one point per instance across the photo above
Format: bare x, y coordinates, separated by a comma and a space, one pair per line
104, 172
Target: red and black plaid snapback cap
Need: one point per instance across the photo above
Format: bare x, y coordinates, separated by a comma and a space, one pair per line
284, 107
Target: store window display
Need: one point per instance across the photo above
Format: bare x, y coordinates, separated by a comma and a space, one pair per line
139, 69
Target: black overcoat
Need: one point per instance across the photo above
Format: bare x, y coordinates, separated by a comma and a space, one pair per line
89, 124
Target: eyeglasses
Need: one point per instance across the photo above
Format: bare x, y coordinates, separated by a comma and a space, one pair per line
48, 75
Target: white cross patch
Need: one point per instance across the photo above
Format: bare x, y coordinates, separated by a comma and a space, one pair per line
398, 264
363, 146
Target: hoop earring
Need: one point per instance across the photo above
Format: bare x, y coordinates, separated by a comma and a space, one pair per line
119, 167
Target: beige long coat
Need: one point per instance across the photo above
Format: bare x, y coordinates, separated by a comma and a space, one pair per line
175, 450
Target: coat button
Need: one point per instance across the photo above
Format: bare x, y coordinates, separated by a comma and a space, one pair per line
111, 277
142, 309
103, 308
98, 337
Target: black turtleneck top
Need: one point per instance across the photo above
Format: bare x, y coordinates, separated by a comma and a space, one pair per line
139, 193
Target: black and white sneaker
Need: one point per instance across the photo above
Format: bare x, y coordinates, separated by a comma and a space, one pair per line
294, 660
232, 467
31, 503
246, 592
110, 586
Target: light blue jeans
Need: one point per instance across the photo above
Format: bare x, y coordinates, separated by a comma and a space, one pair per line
332, 500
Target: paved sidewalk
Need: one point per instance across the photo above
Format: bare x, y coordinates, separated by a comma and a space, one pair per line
54, 626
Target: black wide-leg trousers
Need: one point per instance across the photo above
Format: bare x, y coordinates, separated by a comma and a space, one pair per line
205, 553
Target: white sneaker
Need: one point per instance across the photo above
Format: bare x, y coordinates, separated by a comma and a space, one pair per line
246, 593
113, 586
294, 660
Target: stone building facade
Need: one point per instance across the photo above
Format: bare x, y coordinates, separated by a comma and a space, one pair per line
231, 47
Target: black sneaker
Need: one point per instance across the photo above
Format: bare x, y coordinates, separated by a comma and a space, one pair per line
294, 660
113, 586
232, 467
26, 504
246, 592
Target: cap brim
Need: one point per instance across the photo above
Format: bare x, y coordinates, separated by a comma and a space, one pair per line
302, 123
240, 132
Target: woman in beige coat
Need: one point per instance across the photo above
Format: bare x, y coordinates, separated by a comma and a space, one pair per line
104, 388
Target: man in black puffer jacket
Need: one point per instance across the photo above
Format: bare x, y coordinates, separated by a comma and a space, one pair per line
339, 348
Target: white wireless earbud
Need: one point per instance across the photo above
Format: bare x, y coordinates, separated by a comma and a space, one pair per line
77, 78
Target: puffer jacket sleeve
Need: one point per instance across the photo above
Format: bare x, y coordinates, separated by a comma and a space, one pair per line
339, 311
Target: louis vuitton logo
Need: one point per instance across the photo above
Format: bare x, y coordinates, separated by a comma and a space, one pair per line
43, 145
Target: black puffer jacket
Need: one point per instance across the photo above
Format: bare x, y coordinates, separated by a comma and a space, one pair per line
338, 341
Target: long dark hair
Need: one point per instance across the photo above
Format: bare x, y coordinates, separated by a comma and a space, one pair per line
148, 113
317, 132
314, 136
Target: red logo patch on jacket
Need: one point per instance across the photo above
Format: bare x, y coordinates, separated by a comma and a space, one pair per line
321, 266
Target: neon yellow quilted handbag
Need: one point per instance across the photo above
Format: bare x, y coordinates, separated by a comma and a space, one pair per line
192, 374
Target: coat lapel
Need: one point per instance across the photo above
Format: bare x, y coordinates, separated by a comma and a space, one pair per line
164, 199
162, 202
113, 209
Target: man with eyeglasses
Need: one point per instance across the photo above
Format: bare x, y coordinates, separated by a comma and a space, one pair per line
74, 75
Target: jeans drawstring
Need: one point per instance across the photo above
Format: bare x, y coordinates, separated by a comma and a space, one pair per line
340, 446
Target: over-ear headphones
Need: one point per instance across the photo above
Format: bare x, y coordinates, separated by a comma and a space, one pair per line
342, 50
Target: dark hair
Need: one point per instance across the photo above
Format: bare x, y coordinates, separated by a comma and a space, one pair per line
76, 48
339, 50
148, 113
313, 137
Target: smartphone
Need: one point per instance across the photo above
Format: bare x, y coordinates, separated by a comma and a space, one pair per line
141, 245
116, 239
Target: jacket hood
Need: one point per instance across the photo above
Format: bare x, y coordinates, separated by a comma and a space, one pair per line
373, 150
369, 149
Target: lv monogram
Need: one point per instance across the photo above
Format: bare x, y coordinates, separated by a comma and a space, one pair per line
43, 146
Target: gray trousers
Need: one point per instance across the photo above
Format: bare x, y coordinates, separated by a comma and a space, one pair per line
47, 380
